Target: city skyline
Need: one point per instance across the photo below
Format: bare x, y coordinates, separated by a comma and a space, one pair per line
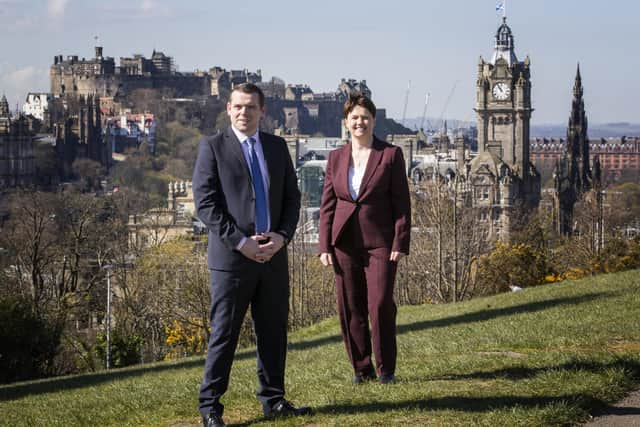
434, 46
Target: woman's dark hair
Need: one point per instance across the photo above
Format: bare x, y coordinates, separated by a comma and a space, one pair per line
359, 100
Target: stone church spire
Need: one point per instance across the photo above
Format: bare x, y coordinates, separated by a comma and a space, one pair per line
577, 147
574, 176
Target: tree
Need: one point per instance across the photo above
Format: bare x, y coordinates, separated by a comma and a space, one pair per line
89, 172
312, 296
29, 341
447, 241
222, 120
510, 265
56, 245
170, 283
624, 216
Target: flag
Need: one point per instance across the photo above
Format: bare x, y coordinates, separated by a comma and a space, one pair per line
499, 6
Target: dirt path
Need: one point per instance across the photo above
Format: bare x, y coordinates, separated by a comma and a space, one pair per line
622, 414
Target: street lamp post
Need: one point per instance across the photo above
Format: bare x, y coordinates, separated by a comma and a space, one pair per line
108, 268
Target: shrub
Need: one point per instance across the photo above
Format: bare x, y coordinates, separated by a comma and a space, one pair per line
29, 342
185, 339
126, 348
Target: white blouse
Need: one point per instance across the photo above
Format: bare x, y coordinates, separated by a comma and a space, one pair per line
355, 180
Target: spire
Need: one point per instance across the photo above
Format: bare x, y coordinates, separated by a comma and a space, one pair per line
577, 86
577, 119
4, 107
504, 47
577, 147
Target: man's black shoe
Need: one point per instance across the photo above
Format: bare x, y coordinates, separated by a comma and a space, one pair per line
362, 378
213, 420
387, 379
284, 408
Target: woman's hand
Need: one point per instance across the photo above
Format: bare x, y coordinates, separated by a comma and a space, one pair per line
326, 259
396, 256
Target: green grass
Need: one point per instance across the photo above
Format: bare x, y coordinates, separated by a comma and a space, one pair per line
543, 356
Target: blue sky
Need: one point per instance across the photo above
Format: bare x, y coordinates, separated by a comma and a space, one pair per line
434, 44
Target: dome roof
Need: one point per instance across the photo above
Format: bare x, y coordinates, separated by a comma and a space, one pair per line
504, 47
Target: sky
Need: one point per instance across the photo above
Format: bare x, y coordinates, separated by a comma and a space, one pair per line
434, 44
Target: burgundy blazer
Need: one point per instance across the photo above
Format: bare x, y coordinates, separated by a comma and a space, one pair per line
381, 214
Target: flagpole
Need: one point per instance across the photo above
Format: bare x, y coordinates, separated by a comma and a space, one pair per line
504, 9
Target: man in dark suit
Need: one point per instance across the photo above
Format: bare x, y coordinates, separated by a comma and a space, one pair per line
245, 191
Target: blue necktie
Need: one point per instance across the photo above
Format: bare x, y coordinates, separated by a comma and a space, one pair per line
262, 217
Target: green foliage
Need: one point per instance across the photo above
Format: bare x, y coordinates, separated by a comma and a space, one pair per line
508, 265
138, 172
29, 342
170, 283
125, 348
626, 199
618, 255
222, 121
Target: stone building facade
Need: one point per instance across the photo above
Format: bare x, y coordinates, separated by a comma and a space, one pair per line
619, 157
77, 129
100, 75
17, 166
297, 110
163, 224
501, 178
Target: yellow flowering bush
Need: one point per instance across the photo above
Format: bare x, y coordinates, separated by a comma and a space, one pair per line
185, 338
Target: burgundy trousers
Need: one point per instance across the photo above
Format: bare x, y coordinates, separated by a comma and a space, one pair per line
364, 284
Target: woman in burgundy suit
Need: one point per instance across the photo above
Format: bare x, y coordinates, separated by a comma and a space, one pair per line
365, 222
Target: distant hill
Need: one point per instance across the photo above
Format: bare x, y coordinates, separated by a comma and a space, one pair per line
552, 130
596, 130
434, 123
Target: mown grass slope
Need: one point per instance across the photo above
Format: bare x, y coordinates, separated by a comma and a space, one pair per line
542, 356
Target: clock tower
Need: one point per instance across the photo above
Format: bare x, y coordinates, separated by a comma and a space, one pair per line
505, 183
503, 103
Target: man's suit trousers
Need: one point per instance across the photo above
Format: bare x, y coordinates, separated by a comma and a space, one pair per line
265, 287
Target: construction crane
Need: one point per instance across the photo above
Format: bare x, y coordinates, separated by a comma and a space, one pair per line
424, 112
446, 104
406, 101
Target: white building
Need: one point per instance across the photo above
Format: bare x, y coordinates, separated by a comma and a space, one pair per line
36, 104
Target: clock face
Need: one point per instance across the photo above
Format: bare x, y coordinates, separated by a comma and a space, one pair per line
501, 91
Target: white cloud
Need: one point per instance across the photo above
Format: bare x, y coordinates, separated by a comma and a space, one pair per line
56, 8
147, 6
16, 83
133, 11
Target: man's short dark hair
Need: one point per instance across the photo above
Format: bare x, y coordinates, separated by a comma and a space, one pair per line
249, 88
357, 99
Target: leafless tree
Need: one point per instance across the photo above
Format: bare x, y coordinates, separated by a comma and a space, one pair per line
447, 239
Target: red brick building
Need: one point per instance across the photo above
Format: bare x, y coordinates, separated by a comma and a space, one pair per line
619, 157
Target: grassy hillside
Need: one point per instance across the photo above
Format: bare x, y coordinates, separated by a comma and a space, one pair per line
542, 356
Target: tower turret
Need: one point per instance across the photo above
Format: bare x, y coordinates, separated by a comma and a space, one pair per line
4, 107
504, 47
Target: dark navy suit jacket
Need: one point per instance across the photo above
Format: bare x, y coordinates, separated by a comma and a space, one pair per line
225, 200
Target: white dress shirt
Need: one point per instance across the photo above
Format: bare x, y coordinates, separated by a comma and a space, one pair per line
355, 180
